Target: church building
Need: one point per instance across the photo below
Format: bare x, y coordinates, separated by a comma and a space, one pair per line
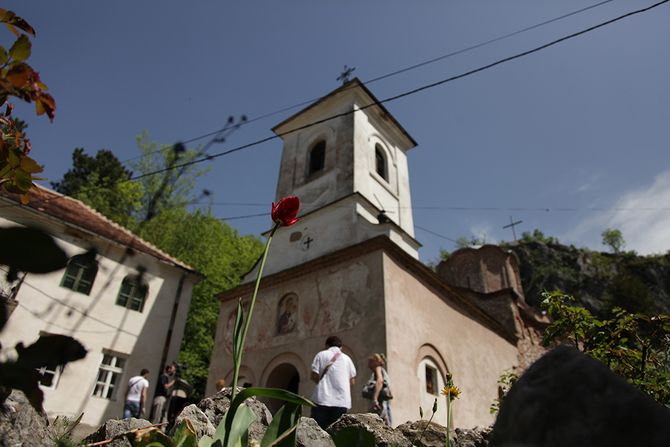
350, 268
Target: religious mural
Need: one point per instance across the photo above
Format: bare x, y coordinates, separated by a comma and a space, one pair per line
287, 314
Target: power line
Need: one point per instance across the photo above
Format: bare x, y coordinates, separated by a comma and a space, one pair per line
413, 91
392, 98
420, 64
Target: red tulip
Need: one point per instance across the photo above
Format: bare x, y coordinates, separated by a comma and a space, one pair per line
285, 211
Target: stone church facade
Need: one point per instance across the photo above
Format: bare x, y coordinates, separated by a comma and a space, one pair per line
350, 268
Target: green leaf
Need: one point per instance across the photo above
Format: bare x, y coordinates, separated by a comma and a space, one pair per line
184, 435
20, 51
3, 56
354, 437
243, 417
282, 431
149, 437
237, 333
206, 441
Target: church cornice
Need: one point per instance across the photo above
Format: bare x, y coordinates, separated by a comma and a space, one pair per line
384, 244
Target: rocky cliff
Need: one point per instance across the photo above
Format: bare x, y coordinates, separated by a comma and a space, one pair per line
599, 281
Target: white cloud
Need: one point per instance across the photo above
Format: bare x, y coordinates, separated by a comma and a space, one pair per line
642, 216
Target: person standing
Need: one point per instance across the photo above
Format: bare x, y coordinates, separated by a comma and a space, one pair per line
379, 403
165, 382
136, 395
334, 373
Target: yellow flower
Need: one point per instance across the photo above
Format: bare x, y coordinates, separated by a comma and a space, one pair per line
451, 391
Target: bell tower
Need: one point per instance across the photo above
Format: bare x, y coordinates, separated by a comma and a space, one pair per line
345, 157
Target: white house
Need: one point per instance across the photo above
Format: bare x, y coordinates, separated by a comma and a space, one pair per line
124, 299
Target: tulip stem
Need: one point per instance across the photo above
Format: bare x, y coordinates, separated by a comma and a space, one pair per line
237, 360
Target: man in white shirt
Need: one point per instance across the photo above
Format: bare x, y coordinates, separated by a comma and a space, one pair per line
334, 373
136, 395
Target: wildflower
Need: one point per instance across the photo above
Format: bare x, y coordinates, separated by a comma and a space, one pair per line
451, 391
285, 211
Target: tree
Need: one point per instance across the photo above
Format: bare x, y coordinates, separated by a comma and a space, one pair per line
103, 183
613, 239
18, 79
215, 249
634, 345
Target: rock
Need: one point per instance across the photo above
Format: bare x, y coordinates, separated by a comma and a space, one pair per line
384, 435
114, 427
476, 437
569, 399
311, 435
198, 419
20, 424
423, 434
214, 407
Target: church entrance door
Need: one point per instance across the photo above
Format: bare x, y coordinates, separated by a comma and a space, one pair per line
286, 377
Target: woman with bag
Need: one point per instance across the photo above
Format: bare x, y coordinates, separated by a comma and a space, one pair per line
378, 390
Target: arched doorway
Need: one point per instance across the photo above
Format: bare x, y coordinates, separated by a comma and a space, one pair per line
286, 377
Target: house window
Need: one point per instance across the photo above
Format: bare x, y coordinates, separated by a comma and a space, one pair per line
133, 293
317, 157
109, 375
49, 377
80, 273
380, 162
431, 380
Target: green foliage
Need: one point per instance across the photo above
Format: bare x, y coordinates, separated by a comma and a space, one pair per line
18, 79
223, 256
634, 345
102, 182
538, 236
613, 239
464, 242
505, 382
60, 431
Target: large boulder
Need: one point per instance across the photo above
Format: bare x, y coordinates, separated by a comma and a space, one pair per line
424, 434
215, 407
384, 435
21, 424
311, 435
113, 428
569, 399
475, 437
199, 421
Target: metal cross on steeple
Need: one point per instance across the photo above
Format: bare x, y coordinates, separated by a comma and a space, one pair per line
344, 76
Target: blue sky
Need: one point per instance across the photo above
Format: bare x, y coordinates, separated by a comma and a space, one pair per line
571, 140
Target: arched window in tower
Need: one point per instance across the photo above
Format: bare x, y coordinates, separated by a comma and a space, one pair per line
133, 293
380, 162
317, 157
80, 273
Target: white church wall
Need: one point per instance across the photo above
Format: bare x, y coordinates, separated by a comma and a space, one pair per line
476, 356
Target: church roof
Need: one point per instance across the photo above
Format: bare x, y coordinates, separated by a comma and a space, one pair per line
354, 83
76, 213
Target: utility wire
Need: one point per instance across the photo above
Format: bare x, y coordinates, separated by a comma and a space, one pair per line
418, 65
392, 98
411, 92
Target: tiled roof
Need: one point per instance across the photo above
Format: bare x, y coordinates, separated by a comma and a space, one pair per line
75, 212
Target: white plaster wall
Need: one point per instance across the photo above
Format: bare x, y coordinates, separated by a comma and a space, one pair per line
98, 323
344, 299
476, 356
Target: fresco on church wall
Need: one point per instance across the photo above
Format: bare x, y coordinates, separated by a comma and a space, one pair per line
287, 314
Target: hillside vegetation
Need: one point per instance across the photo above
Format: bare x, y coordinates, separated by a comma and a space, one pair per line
599, 281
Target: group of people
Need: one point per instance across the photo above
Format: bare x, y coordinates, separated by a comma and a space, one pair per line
334, 373
164, 402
